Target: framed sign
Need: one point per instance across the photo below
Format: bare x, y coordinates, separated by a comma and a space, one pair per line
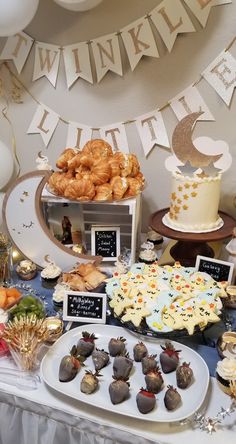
105, 242
85, 307
218, 270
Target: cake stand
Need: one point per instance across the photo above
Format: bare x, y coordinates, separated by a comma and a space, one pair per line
189, 245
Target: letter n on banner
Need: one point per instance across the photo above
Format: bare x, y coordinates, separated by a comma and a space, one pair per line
115, 134
221, 75
46, 62
139, 41
152, 131
17, 48
106, 51
44, 122
171, 19
78, 135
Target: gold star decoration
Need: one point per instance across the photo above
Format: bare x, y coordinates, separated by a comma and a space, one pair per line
185, 207
186, 185
176, 209
193, 194
173, 196
185, 196
180, 188
179, 201
195, 185
25, 193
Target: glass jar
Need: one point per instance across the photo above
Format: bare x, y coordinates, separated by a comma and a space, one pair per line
6, 262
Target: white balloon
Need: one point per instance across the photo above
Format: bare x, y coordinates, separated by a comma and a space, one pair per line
78, 5
1, 202
15, 15
6, 165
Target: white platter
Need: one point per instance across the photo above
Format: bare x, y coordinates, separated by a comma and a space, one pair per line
192, 397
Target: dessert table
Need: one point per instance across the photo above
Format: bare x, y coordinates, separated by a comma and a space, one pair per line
44, 416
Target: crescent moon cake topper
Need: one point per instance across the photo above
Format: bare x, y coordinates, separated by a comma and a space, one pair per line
183, 146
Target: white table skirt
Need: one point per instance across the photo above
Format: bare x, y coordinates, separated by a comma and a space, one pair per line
44, 416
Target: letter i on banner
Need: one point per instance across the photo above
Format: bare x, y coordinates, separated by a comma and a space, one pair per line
189, 101
171, 19
78, 135
44, 122
221, 75
152, 131
115, 134
46, 62
202, 8
17, 48
106, 52
77, 63
139, 41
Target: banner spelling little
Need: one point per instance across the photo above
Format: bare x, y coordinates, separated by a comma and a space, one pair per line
170, 18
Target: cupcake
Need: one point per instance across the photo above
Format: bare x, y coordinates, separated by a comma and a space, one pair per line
50, 274
26, 270
147, 253
155, 238
226, 374
59, 293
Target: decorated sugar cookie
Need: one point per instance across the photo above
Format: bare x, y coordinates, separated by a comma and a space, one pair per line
119, 302
136, 314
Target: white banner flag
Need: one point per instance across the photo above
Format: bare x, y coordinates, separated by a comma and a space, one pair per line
171, 19
115, 134
44, 122
139, 41
46, 62
78, 135
152, 131
77, 63
221, 75
17, 48
106, 51
201, 8
189, 101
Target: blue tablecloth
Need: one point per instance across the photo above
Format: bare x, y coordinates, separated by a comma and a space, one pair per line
203, 343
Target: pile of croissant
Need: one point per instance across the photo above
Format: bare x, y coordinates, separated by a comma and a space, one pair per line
96, 173
84, 277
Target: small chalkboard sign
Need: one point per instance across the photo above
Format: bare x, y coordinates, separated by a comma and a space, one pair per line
105, 242
85, 307
217, 269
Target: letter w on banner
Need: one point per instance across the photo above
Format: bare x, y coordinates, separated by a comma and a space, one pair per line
139, 41
171, 19
189, 101
152, 131
46, 62
107, 56
115, 134
221, 75
17, 48
44, 122
202, 8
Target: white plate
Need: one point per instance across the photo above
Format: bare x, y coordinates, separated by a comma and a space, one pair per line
192, 397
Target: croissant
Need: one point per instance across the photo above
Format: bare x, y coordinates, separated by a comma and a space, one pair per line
75, 281
74, 162
58, 182
119, 187
100, 172
84, 269
140, 177
135, 165
134, 188
97, 148
114, 166
65, 157
80, 190
103, 192
126, 163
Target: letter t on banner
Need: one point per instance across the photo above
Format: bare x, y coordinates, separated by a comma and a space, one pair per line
17, 48
44, 122
221, 75
115, 134
152, 131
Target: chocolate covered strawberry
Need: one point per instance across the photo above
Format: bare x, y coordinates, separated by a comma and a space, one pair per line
100, 358
146, 401
122, 366
149, 362
86, 344
154, 380
116, 346
184, 375
140, 350
172, 398
70, 365
169, 358
89, 382
119, 390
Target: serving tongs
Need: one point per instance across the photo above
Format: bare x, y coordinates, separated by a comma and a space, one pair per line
19, 378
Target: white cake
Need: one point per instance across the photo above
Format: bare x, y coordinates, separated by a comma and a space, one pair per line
194, 203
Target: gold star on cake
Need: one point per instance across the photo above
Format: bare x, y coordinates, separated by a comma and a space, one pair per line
193, 194
176, 209
195, 185
185, 196
180, 188
185, 207
179, 201
173, 196
186, 185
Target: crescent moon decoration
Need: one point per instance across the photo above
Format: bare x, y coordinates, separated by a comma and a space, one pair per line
183, 146
27, 227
